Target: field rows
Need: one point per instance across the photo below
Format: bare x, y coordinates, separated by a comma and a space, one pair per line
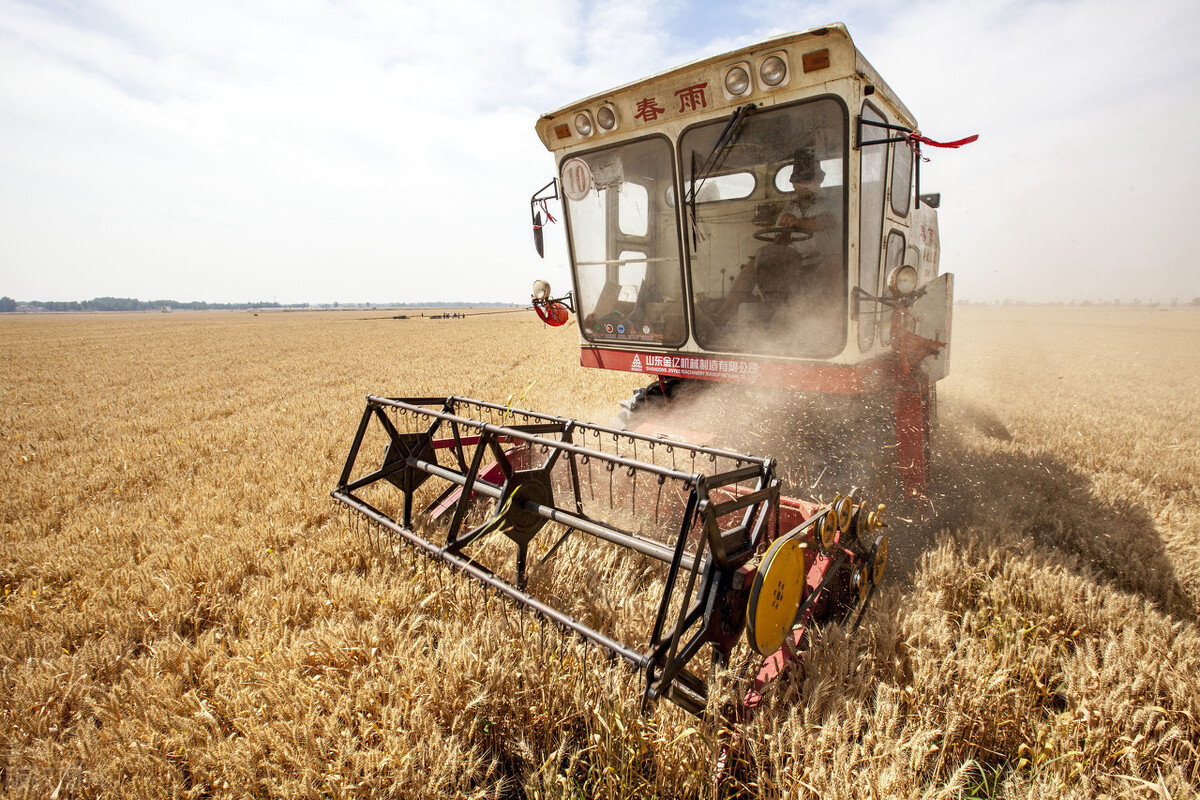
184, 613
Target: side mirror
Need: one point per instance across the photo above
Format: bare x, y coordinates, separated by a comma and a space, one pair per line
539, 200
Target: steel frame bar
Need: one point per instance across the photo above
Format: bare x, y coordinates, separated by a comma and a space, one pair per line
729, 525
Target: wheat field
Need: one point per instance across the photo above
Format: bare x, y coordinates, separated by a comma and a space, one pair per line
184, 613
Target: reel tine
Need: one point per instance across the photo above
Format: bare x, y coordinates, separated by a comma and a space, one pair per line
633, 474
661, 480
610, 466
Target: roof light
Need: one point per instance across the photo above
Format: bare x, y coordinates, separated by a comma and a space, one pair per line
737, 81
773, 71
583, 123
606, 118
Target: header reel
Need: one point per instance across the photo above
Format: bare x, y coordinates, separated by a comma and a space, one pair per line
695, 544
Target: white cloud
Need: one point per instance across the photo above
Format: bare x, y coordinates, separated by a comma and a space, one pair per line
1077, 186
381, 151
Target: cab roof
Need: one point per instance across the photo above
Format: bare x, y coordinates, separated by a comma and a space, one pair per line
843, 61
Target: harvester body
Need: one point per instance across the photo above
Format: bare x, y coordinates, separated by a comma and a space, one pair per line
745, 218
752, 219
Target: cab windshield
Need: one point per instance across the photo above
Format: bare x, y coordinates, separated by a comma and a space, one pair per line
768, 231
625, 242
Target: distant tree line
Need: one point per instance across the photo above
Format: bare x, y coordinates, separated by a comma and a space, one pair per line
132, 304
1134, 302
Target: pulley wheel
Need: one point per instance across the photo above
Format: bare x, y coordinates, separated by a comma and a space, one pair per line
827, 527
860, 581
844, 506
879, 557
775, 595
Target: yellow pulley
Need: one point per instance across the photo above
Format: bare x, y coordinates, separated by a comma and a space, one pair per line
827, 527
775, 595
879, 561
844, 506
860, 581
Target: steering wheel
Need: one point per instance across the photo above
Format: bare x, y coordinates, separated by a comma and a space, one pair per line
616, 317
782, 235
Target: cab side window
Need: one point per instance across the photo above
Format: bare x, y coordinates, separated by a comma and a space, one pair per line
902, 163
873, 168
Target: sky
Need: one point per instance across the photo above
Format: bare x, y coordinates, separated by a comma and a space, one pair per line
384, 151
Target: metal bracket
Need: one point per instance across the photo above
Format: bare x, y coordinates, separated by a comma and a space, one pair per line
859, 144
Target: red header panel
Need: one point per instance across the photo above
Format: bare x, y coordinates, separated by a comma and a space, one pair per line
829, 378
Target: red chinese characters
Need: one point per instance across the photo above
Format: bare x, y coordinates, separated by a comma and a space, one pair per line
692, 98
648, 109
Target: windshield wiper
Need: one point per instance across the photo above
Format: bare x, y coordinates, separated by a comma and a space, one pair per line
720, 149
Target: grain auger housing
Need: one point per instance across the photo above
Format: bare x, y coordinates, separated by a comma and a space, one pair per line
683, 550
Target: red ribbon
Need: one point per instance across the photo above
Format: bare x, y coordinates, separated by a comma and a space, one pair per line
916, 137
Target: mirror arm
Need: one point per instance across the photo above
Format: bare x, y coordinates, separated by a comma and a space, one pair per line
861, 295
859, 144
540, 197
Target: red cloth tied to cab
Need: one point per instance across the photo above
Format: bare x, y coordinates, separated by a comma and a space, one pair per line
916, 137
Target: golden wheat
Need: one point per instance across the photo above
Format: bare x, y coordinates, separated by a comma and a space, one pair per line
184, 615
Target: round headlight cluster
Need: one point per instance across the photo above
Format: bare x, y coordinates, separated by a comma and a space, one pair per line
772, 71
737, 81
605, 118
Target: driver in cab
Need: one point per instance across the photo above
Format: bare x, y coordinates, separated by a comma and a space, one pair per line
805, 237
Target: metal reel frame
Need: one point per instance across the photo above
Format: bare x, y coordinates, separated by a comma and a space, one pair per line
730, 509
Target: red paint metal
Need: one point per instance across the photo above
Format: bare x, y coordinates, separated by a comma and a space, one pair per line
491, 472
827, 378
553, 313
912, 438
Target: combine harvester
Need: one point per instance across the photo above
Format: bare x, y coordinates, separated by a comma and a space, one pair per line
753, 219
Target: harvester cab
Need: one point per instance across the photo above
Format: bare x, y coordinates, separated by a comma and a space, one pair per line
746, 219
756, 218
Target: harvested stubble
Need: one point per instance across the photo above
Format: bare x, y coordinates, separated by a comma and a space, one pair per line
183, 614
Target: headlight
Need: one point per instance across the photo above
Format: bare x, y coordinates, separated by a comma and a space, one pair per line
772, 71
737, 81
583, 124
541, 289
903, 280
606, 118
